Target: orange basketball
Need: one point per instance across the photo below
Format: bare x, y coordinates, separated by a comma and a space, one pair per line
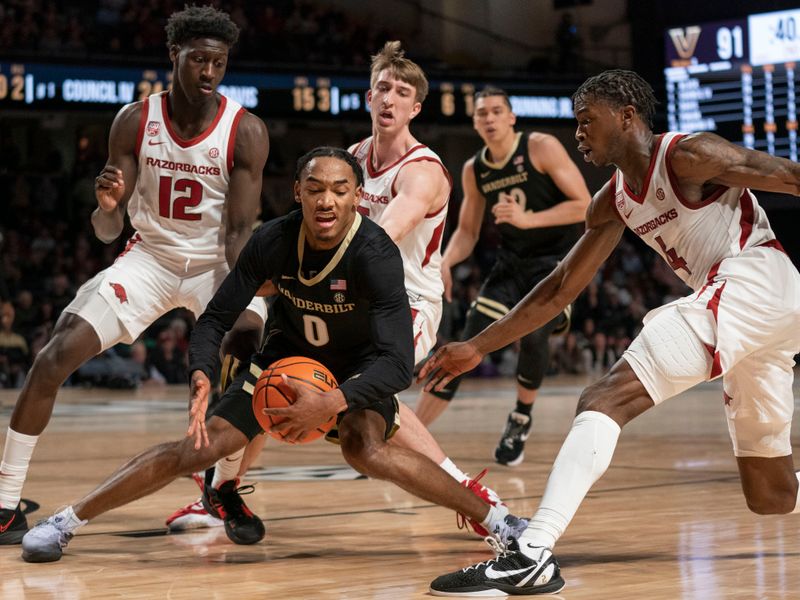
270, 391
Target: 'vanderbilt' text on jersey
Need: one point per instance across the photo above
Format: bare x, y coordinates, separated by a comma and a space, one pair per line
177, 207
516, 176
691, 237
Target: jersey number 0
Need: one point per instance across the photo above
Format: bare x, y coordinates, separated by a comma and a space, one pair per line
176, 208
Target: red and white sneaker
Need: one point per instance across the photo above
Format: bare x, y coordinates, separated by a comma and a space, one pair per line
487, 494
194, 515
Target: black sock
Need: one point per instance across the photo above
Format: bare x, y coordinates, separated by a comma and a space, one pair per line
525, 409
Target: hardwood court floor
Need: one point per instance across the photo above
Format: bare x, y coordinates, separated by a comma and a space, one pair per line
667, 521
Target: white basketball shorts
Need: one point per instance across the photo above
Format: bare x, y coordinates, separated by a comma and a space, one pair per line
138, 289
744, 326
426, 316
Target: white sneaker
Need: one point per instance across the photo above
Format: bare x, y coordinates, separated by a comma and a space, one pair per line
192, 516
45, 542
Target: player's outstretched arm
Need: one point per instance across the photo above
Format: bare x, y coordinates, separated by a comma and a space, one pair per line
116, 182
421, 188
470, 218
543, 303
549, 156
702, 158
244, 192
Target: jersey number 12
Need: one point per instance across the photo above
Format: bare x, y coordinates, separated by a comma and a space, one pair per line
170, 208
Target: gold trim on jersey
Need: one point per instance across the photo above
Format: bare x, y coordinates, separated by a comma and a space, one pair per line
301, 247
504, 162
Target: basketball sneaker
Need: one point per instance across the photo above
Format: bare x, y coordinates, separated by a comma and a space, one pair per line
510, 450
194, 515
45, 542
510, 573
225, 502
488, 495
13, 525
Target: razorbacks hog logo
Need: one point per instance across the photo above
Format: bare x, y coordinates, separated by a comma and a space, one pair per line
119, 292
153, 128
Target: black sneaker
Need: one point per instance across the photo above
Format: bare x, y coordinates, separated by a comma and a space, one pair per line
225, 502
13, 525
510, 572
510, 449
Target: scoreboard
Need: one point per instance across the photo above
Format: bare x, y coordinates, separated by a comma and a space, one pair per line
272, 95
737, 78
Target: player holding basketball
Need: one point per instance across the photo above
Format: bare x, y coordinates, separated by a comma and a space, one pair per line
687, 197
537, 197
341, 301
406, 191
186, 165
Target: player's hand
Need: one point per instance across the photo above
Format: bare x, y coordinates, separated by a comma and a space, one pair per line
448, 362
109, 187
198, 405
508, 210
310, 409
447, 280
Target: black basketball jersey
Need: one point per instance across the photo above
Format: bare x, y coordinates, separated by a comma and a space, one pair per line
516, 175
346, 307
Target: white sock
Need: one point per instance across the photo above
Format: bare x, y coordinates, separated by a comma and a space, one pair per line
66, 520
495, 515
582, 460
452, 470
797, 502
227, 468
14, 468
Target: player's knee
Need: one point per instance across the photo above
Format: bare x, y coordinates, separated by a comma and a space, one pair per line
771, 501
51, 366
363, 451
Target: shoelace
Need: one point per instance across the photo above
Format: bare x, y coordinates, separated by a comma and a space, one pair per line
232, 502
500, 551
462, 520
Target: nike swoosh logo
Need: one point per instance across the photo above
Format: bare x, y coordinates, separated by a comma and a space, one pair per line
286, 277
485, 174
492, 574
7, 525
152, 143
628, 214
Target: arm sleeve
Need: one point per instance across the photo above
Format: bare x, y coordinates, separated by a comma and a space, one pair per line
255, 265
391, 328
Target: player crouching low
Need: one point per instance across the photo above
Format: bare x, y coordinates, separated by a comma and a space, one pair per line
368, 347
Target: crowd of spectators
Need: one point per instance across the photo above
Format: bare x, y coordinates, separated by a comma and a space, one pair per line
278, 31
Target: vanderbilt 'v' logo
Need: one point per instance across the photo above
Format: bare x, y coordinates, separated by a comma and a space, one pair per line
685, 40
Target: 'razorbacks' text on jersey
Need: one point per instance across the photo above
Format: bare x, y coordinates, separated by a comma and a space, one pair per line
345, 307
421, 249
516, 176
692, 238
177, 207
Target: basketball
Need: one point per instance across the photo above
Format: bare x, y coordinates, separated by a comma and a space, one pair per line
271, 392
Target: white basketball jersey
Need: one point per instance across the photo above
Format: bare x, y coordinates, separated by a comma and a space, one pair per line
178, 205
421, 249
692, 238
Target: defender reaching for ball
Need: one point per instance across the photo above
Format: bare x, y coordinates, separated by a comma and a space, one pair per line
341, 301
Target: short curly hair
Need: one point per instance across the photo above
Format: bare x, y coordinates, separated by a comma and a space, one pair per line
618, 88
329, 151
195, 22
